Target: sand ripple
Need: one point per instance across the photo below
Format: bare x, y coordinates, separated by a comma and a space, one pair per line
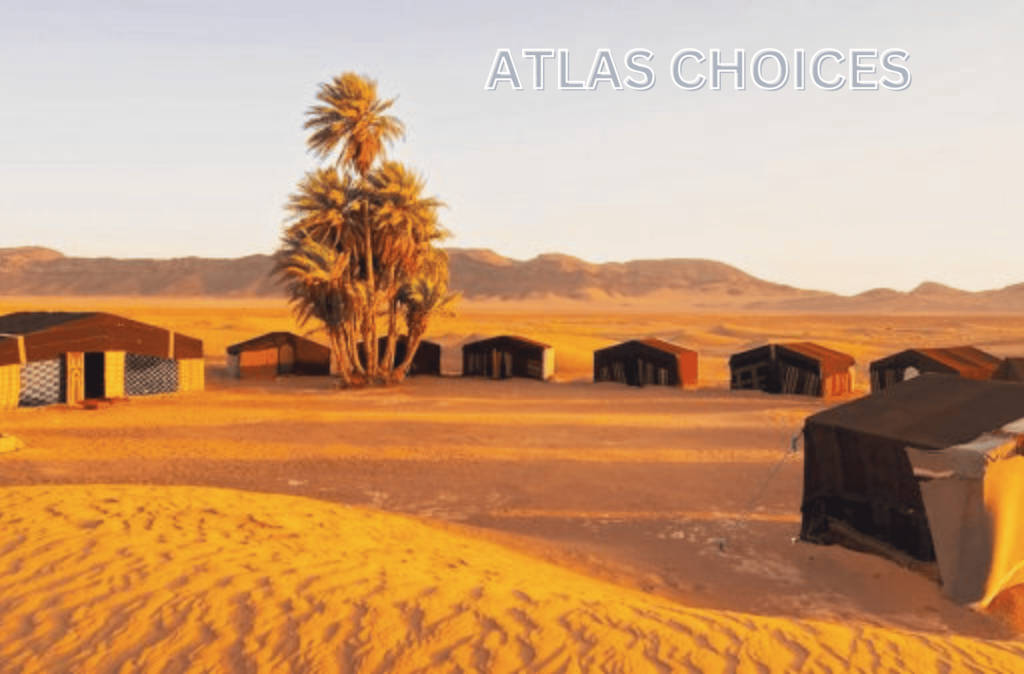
180, 579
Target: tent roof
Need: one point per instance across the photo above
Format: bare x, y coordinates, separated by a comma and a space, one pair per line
46, 334
830, 360
268, 340
957, 358
28, 322
931, 411
651, 343
826, 356
663, 345
513, 338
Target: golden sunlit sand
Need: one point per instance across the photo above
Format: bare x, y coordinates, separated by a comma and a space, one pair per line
461, 525
115, 579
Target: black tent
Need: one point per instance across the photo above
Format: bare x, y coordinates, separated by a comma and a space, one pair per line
929, 469
508, 356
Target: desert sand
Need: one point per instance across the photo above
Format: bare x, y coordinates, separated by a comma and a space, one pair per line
460, 525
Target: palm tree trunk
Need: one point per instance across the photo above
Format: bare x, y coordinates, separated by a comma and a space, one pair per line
389, 352
411, 346
370, 340
341, 360
354, 362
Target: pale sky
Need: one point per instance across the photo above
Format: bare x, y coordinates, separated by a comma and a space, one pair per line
169, 129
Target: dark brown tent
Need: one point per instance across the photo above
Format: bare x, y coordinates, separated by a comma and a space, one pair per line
640, 362
508, 356
55, 357
427, 359
277, 353
927, 470
794, 367
1010, 369
963, 361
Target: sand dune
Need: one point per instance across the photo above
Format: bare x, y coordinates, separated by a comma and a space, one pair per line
178, 579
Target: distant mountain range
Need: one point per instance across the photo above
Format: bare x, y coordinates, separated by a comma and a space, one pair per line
483, 275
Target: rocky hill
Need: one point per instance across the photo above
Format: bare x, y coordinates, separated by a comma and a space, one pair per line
487, 276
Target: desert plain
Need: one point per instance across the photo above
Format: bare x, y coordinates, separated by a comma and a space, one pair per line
463, 525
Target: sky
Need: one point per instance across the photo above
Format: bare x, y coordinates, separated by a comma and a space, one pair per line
171, 129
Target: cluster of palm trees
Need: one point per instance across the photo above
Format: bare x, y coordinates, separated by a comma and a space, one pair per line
359, 251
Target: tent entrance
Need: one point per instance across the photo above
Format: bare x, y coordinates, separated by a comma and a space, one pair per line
95, 376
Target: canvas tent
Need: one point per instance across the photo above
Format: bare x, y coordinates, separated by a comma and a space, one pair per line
963, 361
277, 353
641, 362
930, 469
427, 359
1010, 369
793, 367
48, 358
508, 356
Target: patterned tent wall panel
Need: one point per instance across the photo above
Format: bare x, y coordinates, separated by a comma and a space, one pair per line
42, 383
148, 375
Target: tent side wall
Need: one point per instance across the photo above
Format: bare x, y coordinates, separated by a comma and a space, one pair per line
149, 375
754, 370
311, 358
865, 482
974, 511
837, 384
689, 368
427, 360
475, 361
259, 363
528, 361
889, 371
505, 357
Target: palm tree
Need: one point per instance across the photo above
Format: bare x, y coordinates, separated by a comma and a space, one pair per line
315, 275
352, 121
359, 243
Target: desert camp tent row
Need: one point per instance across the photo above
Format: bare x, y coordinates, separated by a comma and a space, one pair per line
508, 356
929, 470
643, 362
48, 358
801, 368
963, 361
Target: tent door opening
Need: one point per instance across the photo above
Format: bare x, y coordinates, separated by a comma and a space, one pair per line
95, 376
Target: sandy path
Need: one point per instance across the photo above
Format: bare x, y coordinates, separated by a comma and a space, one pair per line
176, 579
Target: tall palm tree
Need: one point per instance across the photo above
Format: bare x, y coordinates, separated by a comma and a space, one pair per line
352, 121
